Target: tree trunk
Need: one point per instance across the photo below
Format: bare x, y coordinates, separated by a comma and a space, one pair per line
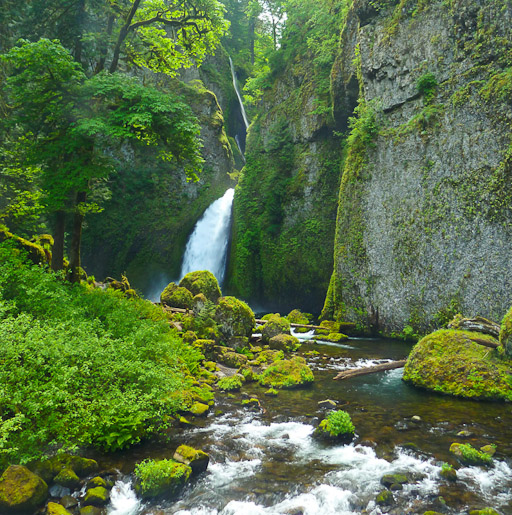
347, 374
252, 24
80, 15
122, 36
76, 238
104, 46
58, 241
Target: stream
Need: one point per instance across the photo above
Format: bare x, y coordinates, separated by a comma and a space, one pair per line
266, 462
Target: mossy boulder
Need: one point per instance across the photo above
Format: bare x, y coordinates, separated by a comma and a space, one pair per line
336, 427
388, 480
158, 478
196, 459
234, 319
448, 472
68, 478
198, 303
384, 498
199, 409
297, 317
56, 509
506, 332
248, 373
207, 347
267, 356
203, 282
97, 481
449, 362
177, 297
97, 496
485, 511
284, 342
229, 358
275, 325
287, 373
468, 455
49, 468
21, 490
334, 337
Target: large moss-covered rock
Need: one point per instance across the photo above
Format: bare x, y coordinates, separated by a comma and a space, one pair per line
275, 325
284, 342
196, 459
164, 477
177, 297
67, 478
21, 490
468, 455
56, 509
97, 496
287, 373
234, 318
49, 468
448, 361
202, 281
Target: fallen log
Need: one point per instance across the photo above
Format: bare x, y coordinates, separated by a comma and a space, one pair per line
259, 321
476, 324
348, 374
485, 343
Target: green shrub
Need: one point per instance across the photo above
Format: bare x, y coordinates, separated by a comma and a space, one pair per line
158, 477
82, 367
338, 423
229, 384
427, 86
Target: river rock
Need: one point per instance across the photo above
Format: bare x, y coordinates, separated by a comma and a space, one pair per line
485, 511
229, 358
68, 478
21, 490
198, 303
97, 481
196, 459
275, 325
468, 455
92, 510
489, 449
49, 468
384, 498
287, 373
284, 342
56, 509
448, 361
68, 501
235, 319
204, 282
390, 479
97, 496
176, 296
199, 409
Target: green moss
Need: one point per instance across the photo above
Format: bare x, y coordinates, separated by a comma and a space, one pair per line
202, 281
284, 342
21, 490
234, 318
289, 373
468, 455
338, 425
196, 459
485, 511
97, 496
297, 317
271, 392
199, 409
448, 472
68, 478
155, 478
230, 384
268, 356
177, 297
384, 498
506, 332
447, 361
275, 325
56, 509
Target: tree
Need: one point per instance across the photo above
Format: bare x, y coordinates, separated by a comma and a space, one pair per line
71, 121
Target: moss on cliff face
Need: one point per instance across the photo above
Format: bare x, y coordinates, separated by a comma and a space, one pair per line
449, 362
423, 207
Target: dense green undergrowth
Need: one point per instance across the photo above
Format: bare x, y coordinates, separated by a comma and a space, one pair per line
82, 367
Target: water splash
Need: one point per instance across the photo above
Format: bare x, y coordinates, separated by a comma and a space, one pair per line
207, 246
123, 500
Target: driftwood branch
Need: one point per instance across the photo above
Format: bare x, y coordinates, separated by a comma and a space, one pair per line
485, 343
348, 374
477, 324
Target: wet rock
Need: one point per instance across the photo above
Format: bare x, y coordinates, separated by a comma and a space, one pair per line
92, 510
196, 459
199, 409
327, 403
59, 491
97, 496
485, 511
416, 418
395, 487
21, 490
251, 403
448, 472
464, 433
56, 509
489, 449
155, 478
68, 478
68, 501
393, 479
384, 498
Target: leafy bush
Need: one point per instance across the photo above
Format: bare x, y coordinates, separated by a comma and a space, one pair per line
229, 384
157, 477
82, 367
338, 423
427, 86
472, 456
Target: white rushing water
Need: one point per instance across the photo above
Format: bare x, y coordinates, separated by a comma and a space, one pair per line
207, 246
235, 85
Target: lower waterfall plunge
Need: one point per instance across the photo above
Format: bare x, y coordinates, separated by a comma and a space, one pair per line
207, 246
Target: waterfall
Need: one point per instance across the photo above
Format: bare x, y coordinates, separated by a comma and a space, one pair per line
207, 246
235, 85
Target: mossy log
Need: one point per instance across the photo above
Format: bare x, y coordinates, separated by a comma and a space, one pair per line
476, 324
259, 321
348, 374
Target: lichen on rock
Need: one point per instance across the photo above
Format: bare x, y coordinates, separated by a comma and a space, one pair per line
21, 490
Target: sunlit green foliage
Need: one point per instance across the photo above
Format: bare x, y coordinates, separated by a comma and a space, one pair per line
82, 367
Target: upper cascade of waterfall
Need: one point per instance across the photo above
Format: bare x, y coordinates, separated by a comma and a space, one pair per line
235, 85
207, 246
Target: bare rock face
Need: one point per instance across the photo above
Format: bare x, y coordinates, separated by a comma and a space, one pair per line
424, 227
21, 490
